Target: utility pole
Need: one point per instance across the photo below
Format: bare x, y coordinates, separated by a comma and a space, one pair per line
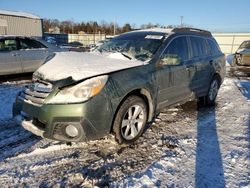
114, 28
94, 31
72, 25
182, 21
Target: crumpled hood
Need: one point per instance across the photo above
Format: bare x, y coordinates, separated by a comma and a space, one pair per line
243, 51
83, 65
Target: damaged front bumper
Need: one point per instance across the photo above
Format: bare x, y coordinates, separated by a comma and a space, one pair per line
90, 120
29, 125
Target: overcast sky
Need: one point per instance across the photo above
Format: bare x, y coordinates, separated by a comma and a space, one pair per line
214, 15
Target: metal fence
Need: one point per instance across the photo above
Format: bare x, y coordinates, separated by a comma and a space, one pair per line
85, 39
229, 42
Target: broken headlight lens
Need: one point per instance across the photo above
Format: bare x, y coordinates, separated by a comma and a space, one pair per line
80, 92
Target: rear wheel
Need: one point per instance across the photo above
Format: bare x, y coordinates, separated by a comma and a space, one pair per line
212, 92
130, 120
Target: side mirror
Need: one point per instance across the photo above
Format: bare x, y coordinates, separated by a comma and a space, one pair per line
169, 59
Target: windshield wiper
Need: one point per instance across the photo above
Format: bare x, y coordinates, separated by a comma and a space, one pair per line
126, 55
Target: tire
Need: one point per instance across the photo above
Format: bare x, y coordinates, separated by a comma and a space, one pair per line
234, 61
130, 120
212, 92
238, 60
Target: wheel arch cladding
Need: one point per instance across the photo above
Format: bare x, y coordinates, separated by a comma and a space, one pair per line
146, 96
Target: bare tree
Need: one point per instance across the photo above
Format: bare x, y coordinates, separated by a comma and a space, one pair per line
90, 27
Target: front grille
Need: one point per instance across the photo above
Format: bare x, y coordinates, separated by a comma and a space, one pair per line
37, 92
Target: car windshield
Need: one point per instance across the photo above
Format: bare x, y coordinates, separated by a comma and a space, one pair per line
245, 44
140, 49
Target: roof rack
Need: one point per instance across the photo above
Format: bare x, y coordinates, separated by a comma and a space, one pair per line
192, 30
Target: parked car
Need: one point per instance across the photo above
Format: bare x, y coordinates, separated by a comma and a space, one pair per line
121, 86
73, 46
51, 40
241, 60
92, 47
22, 54
52, 48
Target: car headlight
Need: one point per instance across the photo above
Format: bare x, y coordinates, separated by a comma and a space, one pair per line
80, 92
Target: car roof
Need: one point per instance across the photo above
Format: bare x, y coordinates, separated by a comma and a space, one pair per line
14, 36
155, 30
166, 31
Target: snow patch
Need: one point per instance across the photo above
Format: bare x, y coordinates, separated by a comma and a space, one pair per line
52, 148
8, 94
84, 65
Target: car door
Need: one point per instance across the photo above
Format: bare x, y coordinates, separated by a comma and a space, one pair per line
32, 54
9, 57
172, 74
201, 60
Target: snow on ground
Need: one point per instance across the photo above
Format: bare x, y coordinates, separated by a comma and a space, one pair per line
8, 92
186, 147
216, 154
244, 87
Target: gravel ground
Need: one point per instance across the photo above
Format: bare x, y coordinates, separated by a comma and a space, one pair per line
186, 146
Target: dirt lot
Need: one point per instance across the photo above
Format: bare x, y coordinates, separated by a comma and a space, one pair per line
185, 147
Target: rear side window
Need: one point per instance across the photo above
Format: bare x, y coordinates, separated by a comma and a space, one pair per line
199, 47
8, 45
214, 47
30, 44
177, 48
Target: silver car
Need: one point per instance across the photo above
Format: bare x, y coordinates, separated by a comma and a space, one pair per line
22, 54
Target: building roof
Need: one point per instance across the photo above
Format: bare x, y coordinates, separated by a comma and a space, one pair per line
19, 14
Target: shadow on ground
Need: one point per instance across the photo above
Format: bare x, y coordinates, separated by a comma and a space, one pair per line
209, 165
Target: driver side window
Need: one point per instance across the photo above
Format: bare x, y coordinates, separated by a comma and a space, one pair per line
30, 44
176, 52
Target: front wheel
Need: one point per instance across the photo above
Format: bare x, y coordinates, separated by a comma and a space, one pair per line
130, 120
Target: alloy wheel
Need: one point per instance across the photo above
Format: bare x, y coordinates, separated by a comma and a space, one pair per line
132, 122
213, 91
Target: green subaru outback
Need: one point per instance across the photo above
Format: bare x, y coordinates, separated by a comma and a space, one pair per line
121, 86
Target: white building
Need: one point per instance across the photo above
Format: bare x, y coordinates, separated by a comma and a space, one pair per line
20, 23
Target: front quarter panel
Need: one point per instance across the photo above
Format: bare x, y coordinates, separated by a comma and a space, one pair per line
122, 83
